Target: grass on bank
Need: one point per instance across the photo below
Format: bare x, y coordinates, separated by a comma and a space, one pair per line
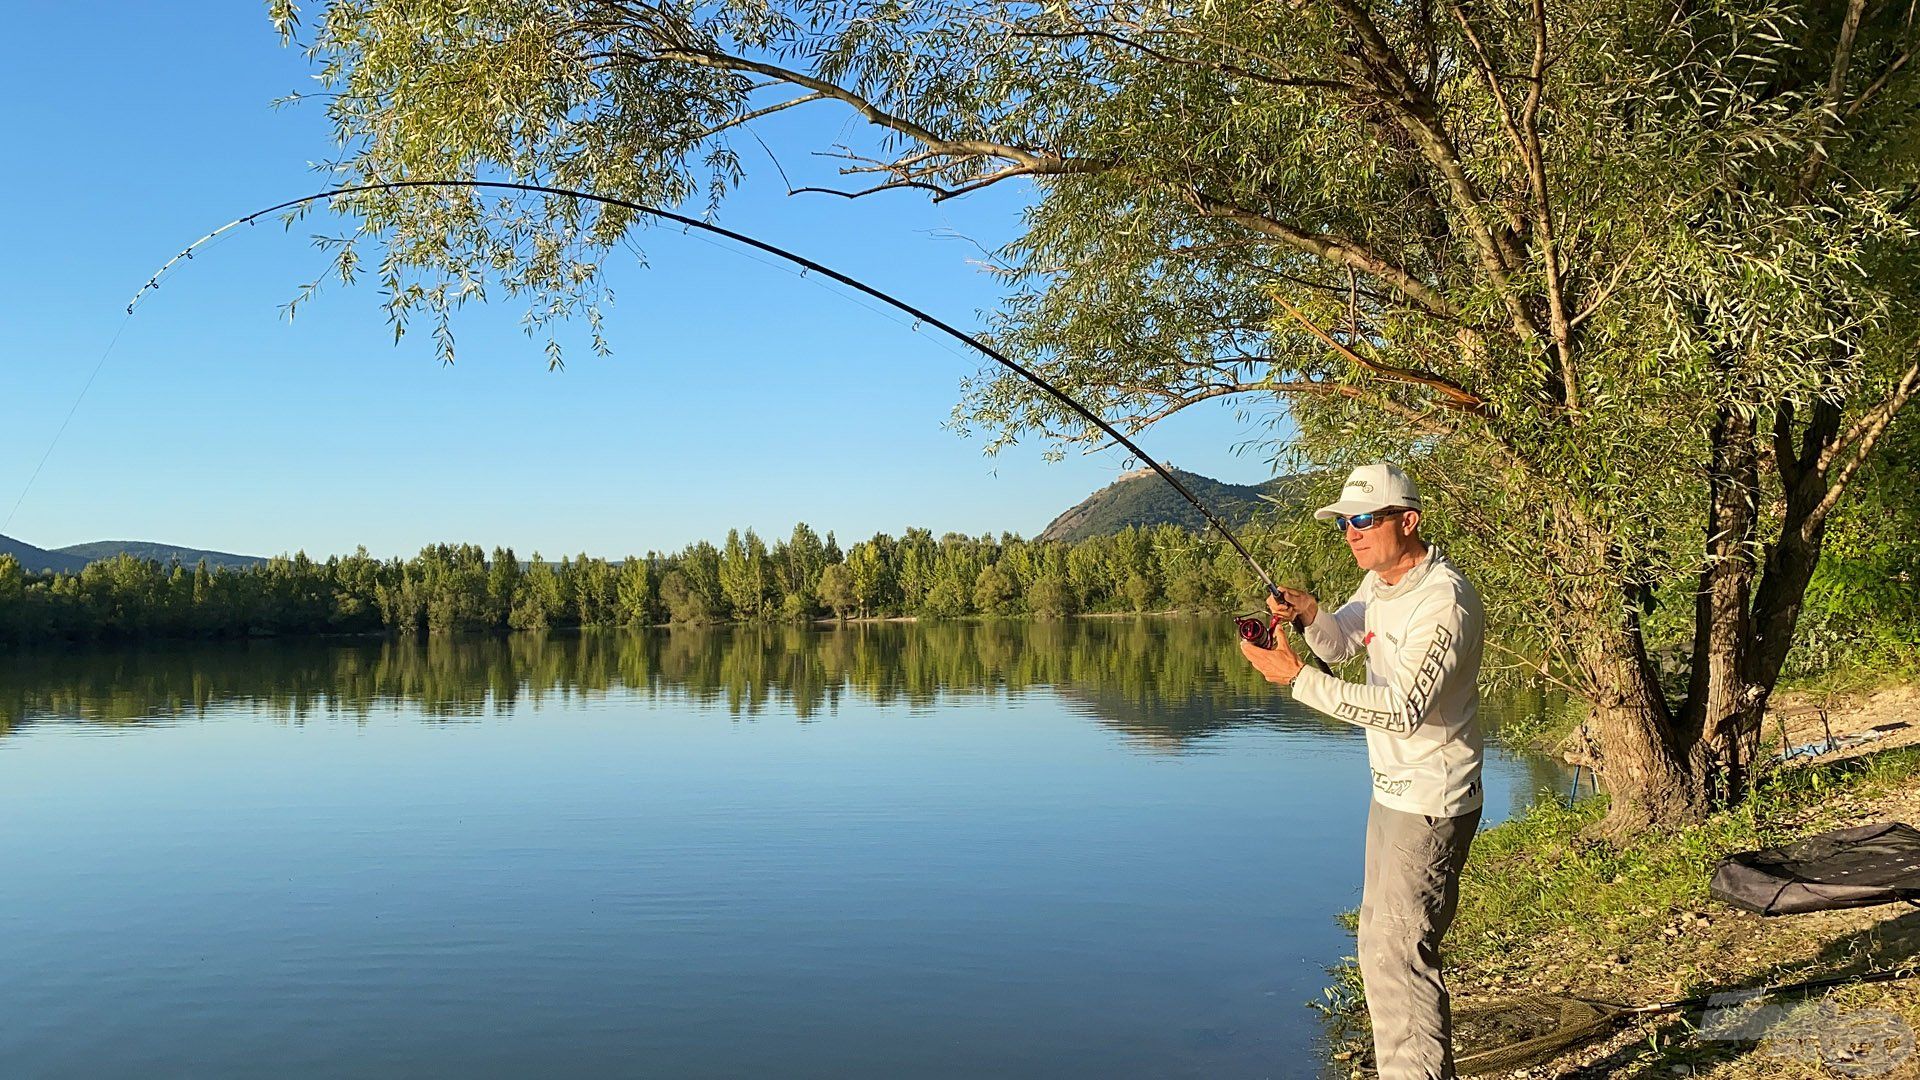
1539, 876
1545, 909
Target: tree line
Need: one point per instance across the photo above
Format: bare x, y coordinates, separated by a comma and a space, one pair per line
1863, 605
461, 588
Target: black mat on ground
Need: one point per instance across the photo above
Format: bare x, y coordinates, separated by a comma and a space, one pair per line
1857, 867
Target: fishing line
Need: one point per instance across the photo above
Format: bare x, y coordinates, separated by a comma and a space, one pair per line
208, 241
920, 316
62, 430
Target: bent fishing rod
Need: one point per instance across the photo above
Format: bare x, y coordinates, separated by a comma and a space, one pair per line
1249, 627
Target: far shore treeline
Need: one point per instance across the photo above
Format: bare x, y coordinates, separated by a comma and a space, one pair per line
450, 588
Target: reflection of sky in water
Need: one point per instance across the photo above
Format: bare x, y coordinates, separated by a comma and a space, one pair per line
655, 879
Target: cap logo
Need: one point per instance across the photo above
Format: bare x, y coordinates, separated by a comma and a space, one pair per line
1363, 485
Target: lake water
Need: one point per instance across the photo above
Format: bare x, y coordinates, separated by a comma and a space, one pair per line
1094, 849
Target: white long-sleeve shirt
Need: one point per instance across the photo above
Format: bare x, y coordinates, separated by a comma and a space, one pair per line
1420, 704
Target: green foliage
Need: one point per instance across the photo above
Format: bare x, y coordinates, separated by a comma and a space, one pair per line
744, 578
1050, 596
635, 602
1140, 591
1863, 605
836, 590
540, 601
684, 603
995, 591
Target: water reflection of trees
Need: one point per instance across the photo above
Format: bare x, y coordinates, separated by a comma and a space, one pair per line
1156, 678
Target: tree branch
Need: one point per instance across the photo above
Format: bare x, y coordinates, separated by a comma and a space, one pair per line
1858, 445
1784, 459
1039, 162
1536, 159
1836, 85
1879, 84
1331, 247
1453, 395
1167, 58
906, 175
768, 111
1425, 422
1606, 291
1499, 255
891, 185
1484, 63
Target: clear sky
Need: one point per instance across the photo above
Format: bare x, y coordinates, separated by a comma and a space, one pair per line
738, 395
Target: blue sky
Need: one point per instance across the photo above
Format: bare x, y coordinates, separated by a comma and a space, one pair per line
738, 395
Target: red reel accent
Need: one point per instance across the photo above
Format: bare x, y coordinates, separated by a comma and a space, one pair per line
1257, 630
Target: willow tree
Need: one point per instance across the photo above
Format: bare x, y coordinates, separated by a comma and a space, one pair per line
1629, 284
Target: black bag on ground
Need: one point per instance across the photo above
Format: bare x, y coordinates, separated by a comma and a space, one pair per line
1857, 867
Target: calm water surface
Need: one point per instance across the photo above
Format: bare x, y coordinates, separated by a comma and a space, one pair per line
1098, 849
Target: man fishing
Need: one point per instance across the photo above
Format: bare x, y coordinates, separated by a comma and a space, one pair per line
1419, 622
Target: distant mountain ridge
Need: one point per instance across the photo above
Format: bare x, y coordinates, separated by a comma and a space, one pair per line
1143, 498
39, 560
74, 557
1139, 498
163, 553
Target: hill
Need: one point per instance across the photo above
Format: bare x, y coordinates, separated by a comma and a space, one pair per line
162, 553
39, 560
1141, 497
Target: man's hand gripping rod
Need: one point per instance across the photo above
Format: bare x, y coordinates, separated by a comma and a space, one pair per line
1265, 632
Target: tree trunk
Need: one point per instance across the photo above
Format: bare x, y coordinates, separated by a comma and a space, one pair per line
1641, 765
1718, 718
1792, 558
1649, 782
1744, 631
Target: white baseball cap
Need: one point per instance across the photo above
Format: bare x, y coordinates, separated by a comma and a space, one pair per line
1370, 488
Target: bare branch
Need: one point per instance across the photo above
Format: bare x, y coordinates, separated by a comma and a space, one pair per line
1454, 396
1836, 84
768, 111
1500, 255
1333, 248
1879, 84
891, 185
1858, 445
1167, 58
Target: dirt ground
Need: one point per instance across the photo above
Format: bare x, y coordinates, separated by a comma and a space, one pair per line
1884, 717
1851, 1031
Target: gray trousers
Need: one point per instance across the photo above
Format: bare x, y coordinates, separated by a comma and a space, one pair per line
1411, 889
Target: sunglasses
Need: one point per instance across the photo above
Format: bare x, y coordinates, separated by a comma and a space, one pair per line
1363, 522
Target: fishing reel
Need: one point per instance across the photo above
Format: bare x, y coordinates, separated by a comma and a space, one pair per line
1259, 629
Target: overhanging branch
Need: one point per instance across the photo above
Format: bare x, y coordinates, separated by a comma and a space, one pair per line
1453, 395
